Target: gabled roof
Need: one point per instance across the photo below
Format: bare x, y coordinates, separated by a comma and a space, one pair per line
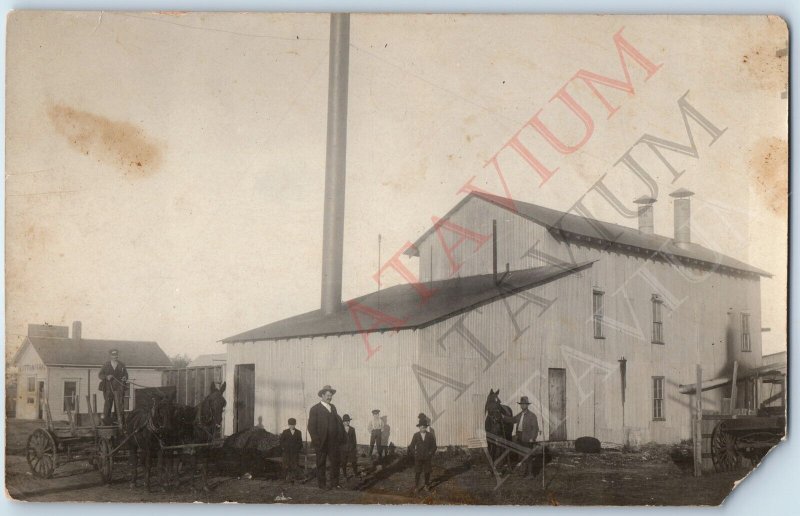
208, 360
610, 236
450, 298
91, 352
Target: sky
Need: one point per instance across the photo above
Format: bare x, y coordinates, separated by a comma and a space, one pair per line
165, 172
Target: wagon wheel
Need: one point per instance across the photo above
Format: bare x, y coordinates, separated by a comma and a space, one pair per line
104, 459
41, 453
723, 450
756, 440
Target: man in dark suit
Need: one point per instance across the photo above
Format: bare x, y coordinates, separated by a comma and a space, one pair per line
527, 429
113, 380
291, 445
349, 448
422, 448
327, 435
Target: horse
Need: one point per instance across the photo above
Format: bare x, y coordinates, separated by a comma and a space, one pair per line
199, 425
146, 430
498, 424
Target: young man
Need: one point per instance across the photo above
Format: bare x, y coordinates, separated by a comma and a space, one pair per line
527, 429
291, 446
349, 448
375, 429
422, 448
113, 380
327, 434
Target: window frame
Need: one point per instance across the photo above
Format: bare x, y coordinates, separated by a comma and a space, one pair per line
31, 384
746, 340
658, 383
74, 396
597, 318
658, 319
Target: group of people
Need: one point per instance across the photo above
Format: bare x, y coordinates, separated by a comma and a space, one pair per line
334, 442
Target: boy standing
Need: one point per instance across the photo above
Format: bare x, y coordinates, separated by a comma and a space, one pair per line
375, 429
349, 448
422, 448
291, 445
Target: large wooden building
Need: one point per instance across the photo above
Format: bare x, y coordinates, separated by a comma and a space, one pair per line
596, 323
60, 369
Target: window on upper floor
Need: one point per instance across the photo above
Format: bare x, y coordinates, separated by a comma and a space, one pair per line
658, 398
746, 332
658, 323
597, 313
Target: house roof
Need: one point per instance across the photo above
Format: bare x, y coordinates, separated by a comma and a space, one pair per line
451, 297
611, 236
208, 360
91, 352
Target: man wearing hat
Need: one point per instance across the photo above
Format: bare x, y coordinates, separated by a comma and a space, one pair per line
327, 435
375, 429
291, 446
113, 378
527, 429
349, 448
422, 448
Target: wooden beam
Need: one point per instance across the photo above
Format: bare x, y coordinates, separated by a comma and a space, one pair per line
733, 386
697, 433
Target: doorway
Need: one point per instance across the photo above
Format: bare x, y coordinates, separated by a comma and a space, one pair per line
244, 396
557, 382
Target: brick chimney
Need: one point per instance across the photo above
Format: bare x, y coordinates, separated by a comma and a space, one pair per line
683, 217
645, 203
76, 330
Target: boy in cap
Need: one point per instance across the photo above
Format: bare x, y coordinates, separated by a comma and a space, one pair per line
291, 445
349, 447
422, 448
375, 429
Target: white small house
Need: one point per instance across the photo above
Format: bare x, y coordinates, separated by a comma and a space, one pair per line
52, 365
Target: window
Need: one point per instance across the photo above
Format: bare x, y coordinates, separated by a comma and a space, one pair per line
597, 313
128, 395
31, 384
658, 327
658, 398
746, 332
70, 394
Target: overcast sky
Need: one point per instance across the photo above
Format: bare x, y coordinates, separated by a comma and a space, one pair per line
165, 173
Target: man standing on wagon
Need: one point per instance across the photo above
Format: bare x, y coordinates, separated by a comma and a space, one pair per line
113, 379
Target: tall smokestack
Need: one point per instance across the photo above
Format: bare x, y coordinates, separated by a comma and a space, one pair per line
683, 216
335, 159
645, 203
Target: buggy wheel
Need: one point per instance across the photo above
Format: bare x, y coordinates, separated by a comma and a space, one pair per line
41, 453
724, 453
104, 459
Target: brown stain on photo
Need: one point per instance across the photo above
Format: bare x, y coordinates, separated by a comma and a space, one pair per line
120, 144
769, 164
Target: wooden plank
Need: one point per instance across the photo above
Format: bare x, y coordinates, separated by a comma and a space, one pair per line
698, 432
734, 386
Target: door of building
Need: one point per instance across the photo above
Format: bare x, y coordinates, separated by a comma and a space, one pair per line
557, 381
244, 397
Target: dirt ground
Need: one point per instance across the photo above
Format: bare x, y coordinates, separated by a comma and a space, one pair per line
613, 477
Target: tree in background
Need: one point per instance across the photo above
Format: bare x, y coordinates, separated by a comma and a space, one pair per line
180, 360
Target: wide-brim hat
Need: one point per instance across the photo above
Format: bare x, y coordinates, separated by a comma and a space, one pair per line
423, 422
292, 421
376, 411
523, 401
346, 417
113, 352
327, 388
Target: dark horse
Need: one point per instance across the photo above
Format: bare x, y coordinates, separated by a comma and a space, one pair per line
199, 425
498, 424
146, 430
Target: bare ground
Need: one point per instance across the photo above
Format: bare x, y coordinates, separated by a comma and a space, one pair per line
645, 477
